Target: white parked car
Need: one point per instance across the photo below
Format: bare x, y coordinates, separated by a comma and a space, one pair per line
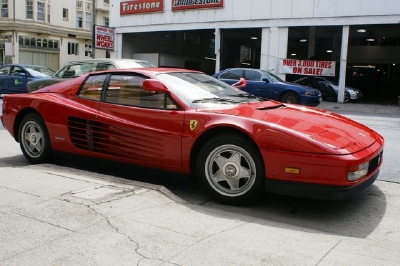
315, 82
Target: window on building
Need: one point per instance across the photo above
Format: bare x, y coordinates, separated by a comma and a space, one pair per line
38, 42
88, 21
73, 48
79, 5
106, 21
107, 2
88, 6
33, 42
48, 13
29, 9
65, 14
45, 43
79, 19
88, 50
40, 11
4, 8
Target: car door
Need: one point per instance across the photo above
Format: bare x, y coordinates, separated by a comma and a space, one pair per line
4, 76
16, 81
258, 85
144, 128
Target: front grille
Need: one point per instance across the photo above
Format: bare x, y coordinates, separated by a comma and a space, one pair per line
373, 164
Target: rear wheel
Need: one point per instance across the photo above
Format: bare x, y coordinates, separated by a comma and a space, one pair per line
34, 139
290, 97
231, 169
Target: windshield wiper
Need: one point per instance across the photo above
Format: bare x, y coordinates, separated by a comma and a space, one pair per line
215, 99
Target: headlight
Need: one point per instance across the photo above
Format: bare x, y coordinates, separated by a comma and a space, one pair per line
356, 172
313, 93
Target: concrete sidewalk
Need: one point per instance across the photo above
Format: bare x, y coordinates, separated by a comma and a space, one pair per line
362, 108
56, 217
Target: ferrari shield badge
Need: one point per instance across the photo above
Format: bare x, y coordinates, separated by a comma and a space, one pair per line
193, 124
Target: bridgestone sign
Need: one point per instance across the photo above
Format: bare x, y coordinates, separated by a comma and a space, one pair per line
194, 4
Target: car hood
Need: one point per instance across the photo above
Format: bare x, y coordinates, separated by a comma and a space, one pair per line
336, 133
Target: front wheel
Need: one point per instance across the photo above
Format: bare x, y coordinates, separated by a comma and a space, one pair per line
347, 97
34, 139
290, 97
231, 169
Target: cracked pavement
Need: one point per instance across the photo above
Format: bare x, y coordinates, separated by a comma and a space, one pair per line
55, 215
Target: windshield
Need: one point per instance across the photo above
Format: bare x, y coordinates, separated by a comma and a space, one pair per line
272, 77
198, 89
39, 71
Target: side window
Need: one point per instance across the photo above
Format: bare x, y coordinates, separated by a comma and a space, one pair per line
127, 90
4, 70
252, 75
92, 87
16, 71
232, 74
105, 66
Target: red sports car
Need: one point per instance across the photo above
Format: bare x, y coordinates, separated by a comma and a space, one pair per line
185, 121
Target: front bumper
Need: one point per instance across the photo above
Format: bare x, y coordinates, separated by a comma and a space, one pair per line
322, 192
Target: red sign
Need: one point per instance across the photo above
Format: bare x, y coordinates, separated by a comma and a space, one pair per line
141, 6
307, 67
104, 37
194, 4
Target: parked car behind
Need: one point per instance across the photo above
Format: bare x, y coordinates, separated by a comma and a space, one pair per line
15, 77
265, 84
316, 82
77, 68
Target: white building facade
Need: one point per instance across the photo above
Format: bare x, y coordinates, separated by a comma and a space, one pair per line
348, 32
49, 32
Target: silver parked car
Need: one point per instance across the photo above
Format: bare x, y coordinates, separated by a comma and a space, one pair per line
77, 68
316, 82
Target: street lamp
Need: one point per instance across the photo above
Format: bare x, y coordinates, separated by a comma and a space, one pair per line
93, 28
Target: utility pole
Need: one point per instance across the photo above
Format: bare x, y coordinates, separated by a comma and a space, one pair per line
93, 28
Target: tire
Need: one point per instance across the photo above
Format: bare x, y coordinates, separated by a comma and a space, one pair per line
231, 169
347, 97
34, 139
290, 97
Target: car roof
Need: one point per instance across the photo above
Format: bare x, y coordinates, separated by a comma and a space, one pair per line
24, 65
152, 70
101, 60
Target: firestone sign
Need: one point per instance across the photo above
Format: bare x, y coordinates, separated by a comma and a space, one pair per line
104, 37
307, 67
194, 4
141, 6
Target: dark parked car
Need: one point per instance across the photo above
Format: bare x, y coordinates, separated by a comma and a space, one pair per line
77, 68
324, 85
265, 84
15, 77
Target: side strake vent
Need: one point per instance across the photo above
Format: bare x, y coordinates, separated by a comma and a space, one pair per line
104, 138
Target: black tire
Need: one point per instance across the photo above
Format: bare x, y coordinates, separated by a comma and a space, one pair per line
347, 97
231, 169
290, 97
34, 139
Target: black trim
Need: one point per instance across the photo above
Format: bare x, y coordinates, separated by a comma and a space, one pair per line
313, 191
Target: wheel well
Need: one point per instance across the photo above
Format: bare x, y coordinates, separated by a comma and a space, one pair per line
286, 92
18, 119
208, 135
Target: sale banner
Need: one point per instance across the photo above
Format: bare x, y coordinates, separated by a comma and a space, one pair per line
307, 67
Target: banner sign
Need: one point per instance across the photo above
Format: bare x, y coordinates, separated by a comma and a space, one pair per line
141, 6
307, 67
195, 4
104, 37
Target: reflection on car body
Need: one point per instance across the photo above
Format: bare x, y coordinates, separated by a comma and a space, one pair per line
185, 121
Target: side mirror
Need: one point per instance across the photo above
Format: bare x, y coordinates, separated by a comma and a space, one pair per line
153, 85
265, 80
240, 84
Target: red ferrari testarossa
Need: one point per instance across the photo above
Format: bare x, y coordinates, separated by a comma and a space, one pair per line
237, 145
